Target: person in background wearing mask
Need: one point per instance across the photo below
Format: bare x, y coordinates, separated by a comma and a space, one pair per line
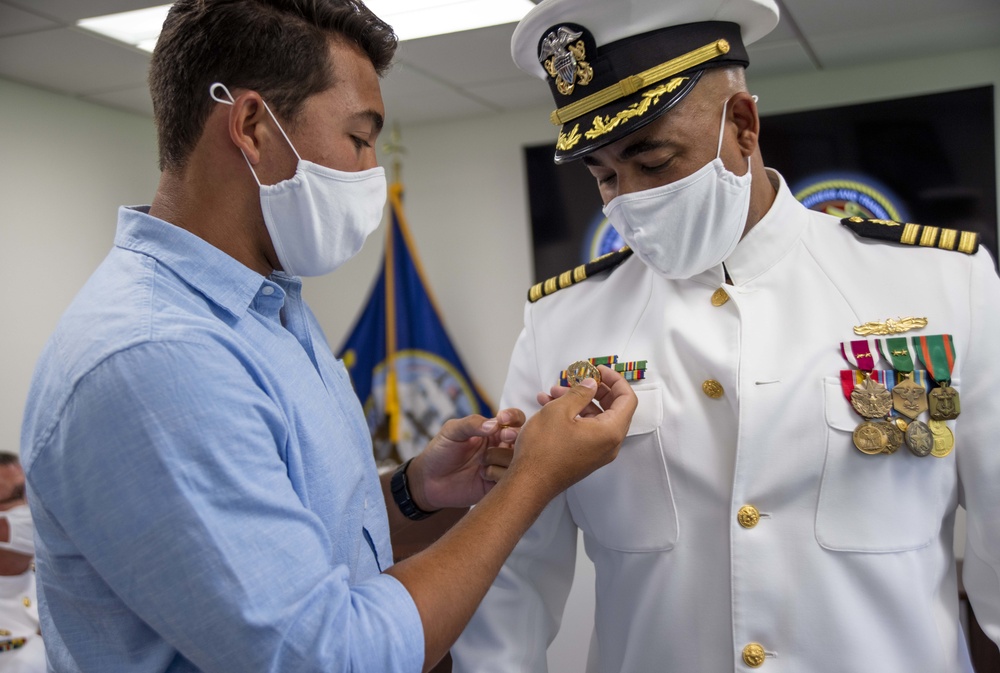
785, 498
21, 647
199, 469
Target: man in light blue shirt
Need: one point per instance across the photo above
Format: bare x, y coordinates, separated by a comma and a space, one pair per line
199, 469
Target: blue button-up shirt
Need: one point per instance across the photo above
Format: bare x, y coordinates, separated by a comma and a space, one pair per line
201, 477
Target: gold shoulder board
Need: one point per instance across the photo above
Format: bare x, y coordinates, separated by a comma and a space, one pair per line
580, 273
914, 234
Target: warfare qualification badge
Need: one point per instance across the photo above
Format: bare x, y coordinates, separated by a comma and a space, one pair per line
562, 53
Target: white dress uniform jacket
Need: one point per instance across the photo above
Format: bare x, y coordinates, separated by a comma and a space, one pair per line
19, 620
850, 567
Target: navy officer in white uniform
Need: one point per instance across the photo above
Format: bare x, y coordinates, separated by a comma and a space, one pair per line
777, 504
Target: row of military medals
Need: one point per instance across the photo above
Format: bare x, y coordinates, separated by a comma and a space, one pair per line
892, 400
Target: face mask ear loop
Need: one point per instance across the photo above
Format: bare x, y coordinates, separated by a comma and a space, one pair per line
722, 129
229, 100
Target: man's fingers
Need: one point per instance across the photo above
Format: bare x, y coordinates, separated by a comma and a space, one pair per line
511, 418
577, 398
498, 455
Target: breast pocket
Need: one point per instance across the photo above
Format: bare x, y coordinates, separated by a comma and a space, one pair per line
880, 503
627, 505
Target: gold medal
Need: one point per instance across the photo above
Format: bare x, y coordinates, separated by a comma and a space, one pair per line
919, 439
870, 438
944, 404
909, 397
871, 399
580, 370
893, 435
944, 439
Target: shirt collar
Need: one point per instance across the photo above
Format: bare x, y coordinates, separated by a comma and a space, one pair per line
771, 238
220, 278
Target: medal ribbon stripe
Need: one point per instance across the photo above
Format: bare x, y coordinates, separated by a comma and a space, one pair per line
938, 355
859, 353
896, 351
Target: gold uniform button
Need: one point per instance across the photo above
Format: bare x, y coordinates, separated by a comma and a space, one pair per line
719, 297
748, 516
713, 389
753, 655
26, 601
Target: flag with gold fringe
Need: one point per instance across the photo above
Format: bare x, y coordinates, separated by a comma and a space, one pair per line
404, 368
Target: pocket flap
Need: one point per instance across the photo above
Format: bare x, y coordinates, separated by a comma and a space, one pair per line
839, 412
649, 413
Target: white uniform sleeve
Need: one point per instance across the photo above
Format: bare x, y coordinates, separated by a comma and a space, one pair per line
977, 447
520, 615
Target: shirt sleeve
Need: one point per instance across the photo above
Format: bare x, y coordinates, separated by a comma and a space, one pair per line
165, 473
520, 615
977, 452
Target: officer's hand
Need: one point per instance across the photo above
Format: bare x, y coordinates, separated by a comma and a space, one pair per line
464, 460
570, 436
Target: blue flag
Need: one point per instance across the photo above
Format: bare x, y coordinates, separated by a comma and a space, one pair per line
404, 368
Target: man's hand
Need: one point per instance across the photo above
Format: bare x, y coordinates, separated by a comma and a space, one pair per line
464, 461
571, 436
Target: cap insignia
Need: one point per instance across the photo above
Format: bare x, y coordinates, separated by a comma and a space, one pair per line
563, 55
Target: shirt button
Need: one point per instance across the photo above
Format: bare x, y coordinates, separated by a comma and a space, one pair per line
753, 655
713, 389
719, 297
748, 516
267, 290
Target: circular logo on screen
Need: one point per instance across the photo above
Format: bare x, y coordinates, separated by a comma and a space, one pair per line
601, 238
850, 195
429, 391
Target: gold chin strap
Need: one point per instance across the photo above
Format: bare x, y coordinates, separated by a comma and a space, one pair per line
630, 85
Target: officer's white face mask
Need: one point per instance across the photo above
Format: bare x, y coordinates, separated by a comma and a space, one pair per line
687, 226
320, 217
22, 531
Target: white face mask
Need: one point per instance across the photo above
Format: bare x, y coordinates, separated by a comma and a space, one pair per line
22, 531
320, 217
687, 226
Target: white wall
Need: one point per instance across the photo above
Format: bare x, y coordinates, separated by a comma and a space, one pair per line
65, 165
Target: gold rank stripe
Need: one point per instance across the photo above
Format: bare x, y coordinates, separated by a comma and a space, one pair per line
968, 242
578, 274
915, 234
629, 85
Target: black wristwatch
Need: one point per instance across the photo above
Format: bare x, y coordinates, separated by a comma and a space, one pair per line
401, 494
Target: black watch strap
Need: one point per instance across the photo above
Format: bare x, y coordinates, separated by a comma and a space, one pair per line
401, 494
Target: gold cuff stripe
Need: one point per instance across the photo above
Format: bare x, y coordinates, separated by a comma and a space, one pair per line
630, 85
929, 236
910, 232
579, 273
535, 293
565, 279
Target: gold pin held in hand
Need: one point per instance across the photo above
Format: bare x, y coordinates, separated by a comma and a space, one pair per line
580, 370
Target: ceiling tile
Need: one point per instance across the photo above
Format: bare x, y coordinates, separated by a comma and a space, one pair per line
433, 107
523, 92
133, 100
909, 39
778, 58
70, 11
470, 57
71, 61
14, 21
819, 19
